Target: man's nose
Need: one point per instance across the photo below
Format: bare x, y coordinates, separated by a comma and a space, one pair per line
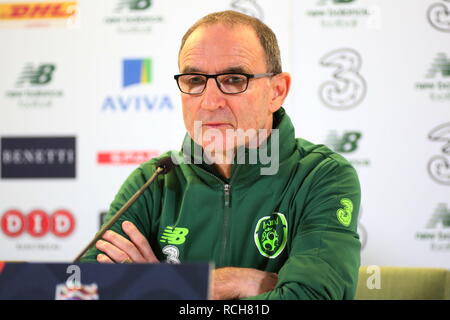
212, 97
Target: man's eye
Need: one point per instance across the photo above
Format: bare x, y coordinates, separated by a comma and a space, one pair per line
196, 80
234, 80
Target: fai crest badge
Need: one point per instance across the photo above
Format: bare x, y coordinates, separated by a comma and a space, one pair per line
271, 235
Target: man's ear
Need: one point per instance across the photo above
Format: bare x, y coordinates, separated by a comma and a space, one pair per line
281, 84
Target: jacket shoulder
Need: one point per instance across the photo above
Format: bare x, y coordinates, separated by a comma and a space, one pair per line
315, 154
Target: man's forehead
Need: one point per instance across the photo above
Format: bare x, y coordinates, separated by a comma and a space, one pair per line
231, 69
231, 48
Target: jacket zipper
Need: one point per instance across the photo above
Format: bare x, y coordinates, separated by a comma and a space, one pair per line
226, 222
226, 214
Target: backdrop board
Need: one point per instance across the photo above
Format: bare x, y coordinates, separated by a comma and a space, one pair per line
87, 94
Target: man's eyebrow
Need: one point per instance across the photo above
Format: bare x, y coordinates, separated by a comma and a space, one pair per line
236, 69
189, 69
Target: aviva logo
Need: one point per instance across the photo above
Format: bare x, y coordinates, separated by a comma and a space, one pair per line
137, 71
173, 235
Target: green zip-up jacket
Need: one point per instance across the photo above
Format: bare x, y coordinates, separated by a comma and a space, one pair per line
300, 223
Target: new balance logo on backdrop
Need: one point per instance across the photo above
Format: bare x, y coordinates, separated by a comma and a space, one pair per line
337, 14
437, 229
38, 157
34, 86
437, 78
133, 5
40, 75
440, 66
132, 16
348, 143
137, 73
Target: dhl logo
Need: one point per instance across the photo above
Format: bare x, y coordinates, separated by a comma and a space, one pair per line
37, 10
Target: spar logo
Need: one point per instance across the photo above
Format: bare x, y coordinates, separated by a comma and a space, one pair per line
132, 16
38, 14
248, 7
347, 88
33, 86
437, 79
339, 14
136, 77
438, 15
437, 229
125, 157
439, 165
37, 223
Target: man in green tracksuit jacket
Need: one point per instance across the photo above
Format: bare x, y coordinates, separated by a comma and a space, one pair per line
288, 232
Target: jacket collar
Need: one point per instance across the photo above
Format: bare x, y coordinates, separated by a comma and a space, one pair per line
249, 164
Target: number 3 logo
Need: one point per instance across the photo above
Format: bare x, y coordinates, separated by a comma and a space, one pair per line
348, 87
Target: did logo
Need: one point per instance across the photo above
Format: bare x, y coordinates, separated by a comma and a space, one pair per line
347, 143
132, 16
439, 165
34, 86
437, 79
37, 223
338, 14
436, 231
248, 7
136, 76
347, 88
438, 15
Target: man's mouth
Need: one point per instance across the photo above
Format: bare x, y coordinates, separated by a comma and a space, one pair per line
217, 125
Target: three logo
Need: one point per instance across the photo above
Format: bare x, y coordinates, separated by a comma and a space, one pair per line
439, 165
348, 88
438, 15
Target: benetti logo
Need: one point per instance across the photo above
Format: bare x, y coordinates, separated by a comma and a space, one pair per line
38, 157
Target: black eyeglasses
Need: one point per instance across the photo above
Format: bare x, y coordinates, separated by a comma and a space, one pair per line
228, 83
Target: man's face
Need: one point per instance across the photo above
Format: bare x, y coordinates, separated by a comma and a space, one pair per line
217, 49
